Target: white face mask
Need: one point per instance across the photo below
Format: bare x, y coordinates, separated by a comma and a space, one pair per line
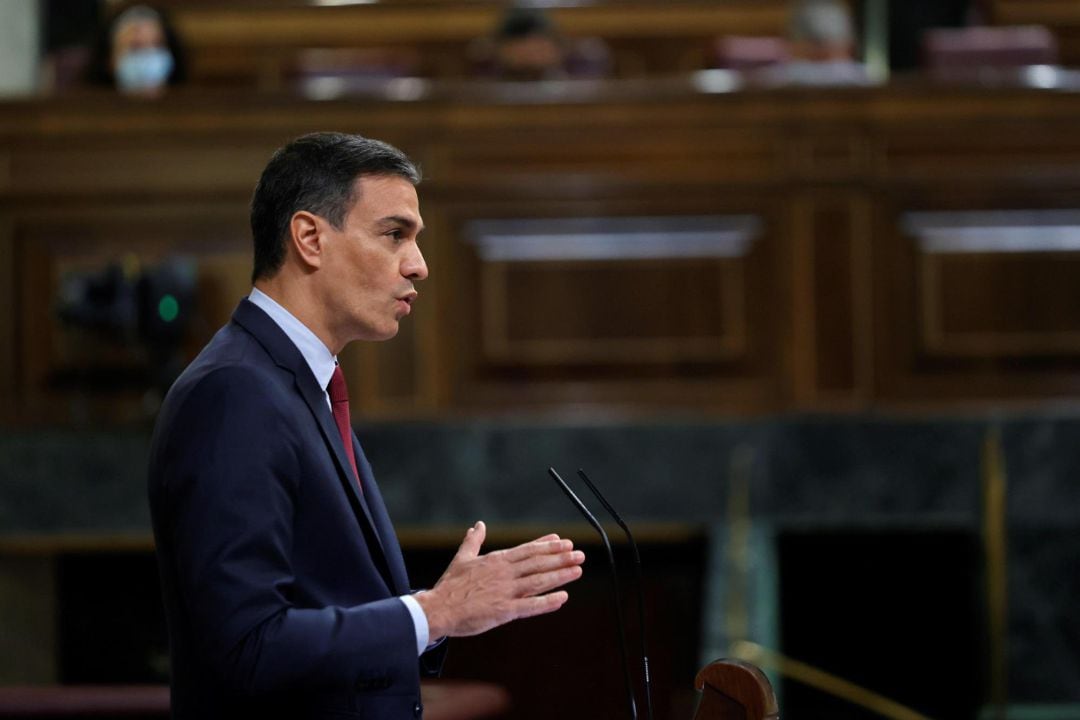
144, 69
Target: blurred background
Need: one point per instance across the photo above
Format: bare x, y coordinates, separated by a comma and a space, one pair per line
798, 283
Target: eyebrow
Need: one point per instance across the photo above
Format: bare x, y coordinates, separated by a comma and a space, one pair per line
401, 220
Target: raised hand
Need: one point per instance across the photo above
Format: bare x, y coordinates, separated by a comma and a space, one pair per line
479, 592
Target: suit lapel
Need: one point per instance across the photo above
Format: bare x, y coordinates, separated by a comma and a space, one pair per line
286, 355
381, 521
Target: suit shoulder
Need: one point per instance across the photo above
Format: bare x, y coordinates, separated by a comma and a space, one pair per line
231, 357
232, 380
224, 403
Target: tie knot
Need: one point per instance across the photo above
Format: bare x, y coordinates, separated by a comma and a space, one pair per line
338, 391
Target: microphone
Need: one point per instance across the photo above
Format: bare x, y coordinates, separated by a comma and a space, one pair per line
614, 586
637, 581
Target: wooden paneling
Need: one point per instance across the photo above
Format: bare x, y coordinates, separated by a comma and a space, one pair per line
605, 154
979, 304
238, 42
833, 301
249, 43
616, 309
998, 284
613, 291
1012, 305
832, 309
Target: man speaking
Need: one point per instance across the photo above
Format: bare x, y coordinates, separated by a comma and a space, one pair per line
285, 590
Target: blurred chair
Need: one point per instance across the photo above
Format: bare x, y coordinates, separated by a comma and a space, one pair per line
948, 49
744, 52
735, 690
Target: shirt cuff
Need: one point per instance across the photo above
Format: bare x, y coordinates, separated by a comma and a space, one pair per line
419, 620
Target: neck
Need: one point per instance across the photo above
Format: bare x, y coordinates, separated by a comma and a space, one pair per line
303, 305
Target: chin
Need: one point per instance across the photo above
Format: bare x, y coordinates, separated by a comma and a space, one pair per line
381, 334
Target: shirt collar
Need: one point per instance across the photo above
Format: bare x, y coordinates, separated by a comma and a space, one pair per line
318, 356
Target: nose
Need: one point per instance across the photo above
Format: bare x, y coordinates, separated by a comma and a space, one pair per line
414, 267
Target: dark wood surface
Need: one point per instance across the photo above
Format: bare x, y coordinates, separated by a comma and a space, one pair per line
443, 700
81, 701
835, 294
735, 690
257, 43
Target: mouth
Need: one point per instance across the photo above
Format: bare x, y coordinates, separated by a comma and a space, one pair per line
406, 301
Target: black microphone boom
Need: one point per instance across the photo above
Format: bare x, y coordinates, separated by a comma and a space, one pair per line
637, 580
614, 585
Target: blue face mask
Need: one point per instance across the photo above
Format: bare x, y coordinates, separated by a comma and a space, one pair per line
145, 69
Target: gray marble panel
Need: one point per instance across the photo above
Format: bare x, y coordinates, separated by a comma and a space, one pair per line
58, 482
827, 472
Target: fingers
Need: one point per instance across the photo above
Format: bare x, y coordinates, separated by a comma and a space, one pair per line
534, 585
546, 563
474, 540
539, 546
541, 604
478, 592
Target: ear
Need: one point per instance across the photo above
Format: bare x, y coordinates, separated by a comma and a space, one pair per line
305, 236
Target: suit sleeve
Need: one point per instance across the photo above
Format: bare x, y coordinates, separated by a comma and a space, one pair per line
230, 476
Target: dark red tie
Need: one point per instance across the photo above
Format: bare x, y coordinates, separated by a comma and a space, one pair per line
339, 403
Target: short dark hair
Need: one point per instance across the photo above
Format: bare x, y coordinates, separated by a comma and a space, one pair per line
316, 173
519, 21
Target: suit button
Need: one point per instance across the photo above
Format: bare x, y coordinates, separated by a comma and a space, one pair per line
417, 709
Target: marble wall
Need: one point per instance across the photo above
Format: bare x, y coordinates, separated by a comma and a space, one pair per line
808, 473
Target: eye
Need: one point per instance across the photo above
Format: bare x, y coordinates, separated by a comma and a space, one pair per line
397, 234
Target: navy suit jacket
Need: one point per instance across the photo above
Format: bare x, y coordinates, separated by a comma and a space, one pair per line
280, 577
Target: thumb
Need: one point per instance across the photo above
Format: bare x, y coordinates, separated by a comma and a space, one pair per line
474, 538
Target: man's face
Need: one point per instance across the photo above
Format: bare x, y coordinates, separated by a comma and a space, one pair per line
372, 263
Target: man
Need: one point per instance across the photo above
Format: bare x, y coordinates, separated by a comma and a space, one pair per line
284, 587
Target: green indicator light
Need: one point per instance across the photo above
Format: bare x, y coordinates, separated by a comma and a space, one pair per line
168, 308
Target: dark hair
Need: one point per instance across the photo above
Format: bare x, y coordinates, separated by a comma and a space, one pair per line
316, 173
523, 21
99, 70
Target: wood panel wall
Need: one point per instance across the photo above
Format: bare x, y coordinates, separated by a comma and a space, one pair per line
242, 43
623, 248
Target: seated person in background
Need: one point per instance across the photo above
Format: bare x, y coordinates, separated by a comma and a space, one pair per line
822, 45
138, 53
526, 45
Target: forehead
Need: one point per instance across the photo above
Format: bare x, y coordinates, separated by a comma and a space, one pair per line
139, 30
384, 196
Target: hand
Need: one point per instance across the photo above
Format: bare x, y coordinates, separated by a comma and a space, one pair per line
479, 592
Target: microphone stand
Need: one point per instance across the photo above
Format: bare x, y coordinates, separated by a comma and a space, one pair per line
614, 586
640, 587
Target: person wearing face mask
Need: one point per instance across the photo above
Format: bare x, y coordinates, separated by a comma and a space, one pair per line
138, 53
